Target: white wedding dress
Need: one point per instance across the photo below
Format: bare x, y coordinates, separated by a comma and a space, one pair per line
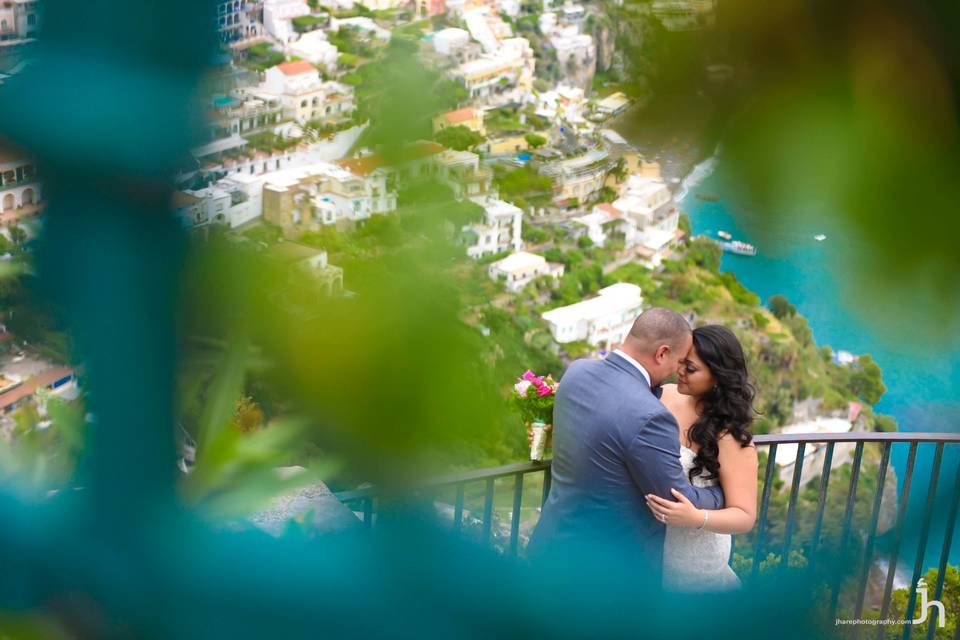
697, 560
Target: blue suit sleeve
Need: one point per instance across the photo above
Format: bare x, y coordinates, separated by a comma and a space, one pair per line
653, 458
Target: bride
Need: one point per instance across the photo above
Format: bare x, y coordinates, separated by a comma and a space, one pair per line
712, 404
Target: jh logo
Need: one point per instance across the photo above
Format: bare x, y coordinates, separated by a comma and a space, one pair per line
926, 604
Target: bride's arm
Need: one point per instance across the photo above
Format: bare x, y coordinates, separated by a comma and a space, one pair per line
738, 479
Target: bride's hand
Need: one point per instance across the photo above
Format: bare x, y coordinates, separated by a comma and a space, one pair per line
681, 513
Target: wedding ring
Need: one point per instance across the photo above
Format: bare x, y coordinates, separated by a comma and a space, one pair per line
663, 518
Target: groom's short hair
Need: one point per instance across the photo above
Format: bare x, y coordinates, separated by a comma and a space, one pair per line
657, 326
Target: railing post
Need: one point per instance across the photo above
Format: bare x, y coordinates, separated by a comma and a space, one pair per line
924, 532
821, 502
515, 514
897, 536
764, 504
847, 521
368, 512
458, 508
547, 480
945, 552
872, 532
487, 512
792, 507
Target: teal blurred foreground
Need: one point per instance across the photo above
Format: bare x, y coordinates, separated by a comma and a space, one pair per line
381, 384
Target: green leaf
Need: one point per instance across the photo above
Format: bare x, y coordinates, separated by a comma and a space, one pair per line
222, 394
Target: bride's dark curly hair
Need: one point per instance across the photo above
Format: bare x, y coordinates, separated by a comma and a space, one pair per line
728, 406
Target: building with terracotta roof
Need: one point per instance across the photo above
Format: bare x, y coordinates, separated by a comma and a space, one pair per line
304, 95
325, 194
57, 379
317, 49
467, 117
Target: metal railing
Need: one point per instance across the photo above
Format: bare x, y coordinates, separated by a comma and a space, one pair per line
365, 502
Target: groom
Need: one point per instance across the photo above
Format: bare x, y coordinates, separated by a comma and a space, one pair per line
613, 442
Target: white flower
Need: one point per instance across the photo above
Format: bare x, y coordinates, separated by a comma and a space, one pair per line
521, 388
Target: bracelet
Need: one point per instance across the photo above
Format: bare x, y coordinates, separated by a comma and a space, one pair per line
706, 516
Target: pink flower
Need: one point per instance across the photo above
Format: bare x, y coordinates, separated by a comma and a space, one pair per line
543, 390
522, 387
532, 377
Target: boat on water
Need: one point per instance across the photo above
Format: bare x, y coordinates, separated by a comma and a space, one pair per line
738, 247
709, 197
723, 234
819, 237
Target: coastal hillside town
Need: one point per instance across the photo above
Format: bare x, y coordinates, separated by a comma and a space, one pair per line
568, 226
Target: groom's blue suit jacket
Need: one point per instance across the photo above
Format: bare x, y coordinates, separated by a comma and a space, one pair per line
613, 442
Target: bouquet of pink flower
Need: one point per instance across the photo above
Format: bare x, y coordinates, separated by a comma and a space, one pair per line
533, 398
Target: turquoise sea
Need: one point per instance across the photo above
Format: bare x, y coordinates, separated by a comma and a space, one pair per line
923, 386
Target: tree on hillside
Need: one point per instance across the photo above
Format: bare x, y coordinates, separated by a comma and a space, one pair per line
866, 380
705, 254
781, 307
523, 181
17, 235
535, 140
459, 138
451, 93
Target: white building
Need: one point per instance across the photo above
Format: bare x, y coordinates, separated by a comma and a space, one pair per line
580, 177
246, 176
500, 229
324, 194
576, 55
481, 30
19, 21
381, 5
605, 319
361, 23
315, 48
278, 17
509, 7
648, 204
563, 102
573, 13
521, 268
592, 225
813, 453
502, 77
20, 192
463, 172
613, 104
304, 95
547, 22
448, 42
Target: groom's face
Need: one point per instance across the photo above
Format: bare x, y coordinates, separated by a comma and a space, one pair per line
681, 354
669, 358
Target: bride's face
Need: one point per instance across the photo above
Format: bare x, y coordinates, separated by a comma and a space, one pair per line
693, 376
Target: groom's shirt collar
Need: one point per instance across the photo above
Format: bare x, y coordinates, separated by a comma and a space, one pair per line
636, 364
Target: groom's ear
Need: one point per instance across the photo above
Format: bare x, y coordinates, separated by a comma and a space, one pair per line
660, 355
